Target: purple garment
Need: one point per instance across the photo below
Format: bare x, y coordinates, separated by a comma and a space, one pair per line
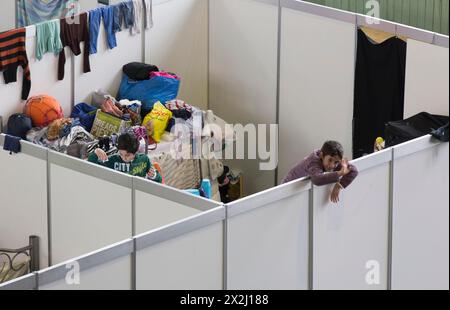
312, 166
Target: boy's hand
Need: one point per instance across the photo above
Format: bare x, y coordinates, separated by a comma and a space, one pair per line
344, 170
335, 193
101, 155
151, 174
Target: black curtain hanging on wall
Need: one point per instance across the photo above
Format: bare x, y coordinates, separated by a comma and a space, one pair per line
379, 90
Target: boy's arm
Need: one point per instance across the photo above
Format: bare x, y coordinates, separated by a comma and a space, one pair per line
93, 158
157, 178
347, 179
319, 177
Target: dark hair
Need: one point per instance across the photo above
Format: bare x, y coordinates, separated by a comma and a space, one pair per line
333, 148
128, 142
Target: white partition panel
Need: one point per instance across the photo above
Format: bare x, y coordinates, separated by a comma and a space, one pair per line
91, 207
267, 247
178, 43
44, 80
420, 253
187, 255
23, 191
27, 282
115, 275
158, 205
86, 5
109, 268
106, 65
350, 246
316, 85
427, 78
243, 72
8, 16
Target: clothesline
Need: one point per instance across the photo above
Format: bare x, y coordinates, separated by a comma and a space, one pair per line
53, 35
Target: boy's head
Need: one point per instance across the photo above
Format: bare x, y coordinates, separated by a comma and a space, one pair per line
331, 154
128, 146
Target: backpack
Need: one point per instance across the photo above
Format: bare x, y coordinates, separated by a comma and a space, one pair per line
19, 125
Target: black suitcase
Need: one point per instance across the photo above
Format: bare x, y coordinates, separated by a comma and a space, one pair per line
414, 127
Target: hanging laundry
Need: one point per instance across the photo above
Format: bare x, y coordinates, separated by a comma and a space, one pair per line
379, 90
48, 38
108, 21
123, 13
95, 16
138, 6
30, 12
13, 53
72, 34
148, 14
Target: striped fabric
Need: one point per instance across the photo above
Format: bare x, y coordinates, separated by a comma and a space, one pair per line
179, 173
30, 12
13, 54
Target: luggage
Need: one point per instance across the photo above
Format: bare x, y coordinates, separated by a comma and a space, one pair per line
148, 92
414, 127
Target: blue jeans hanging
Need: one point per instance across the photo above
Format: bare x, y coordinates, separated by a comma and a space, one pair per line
94, 27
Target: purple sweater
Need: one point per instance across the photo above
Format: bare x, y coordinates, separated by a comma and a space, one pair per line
312, 166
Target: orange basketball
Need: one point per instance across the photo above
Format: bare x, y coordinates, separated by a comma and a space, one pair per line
43, 110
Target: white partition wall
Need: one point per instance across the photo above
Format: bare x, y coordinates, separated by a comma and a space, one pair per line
106, 269
243, 72
187, 255
106, 65
427, 79
268, 239
157, 205
8, 16
44, 80
86, 5
351, 238
23, 191
91, 207
420, 253
178, 43
389, 230
316, 84
115, 275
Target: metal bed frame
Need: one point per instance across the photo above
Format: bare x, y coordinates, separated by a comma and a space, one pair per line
31, 251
